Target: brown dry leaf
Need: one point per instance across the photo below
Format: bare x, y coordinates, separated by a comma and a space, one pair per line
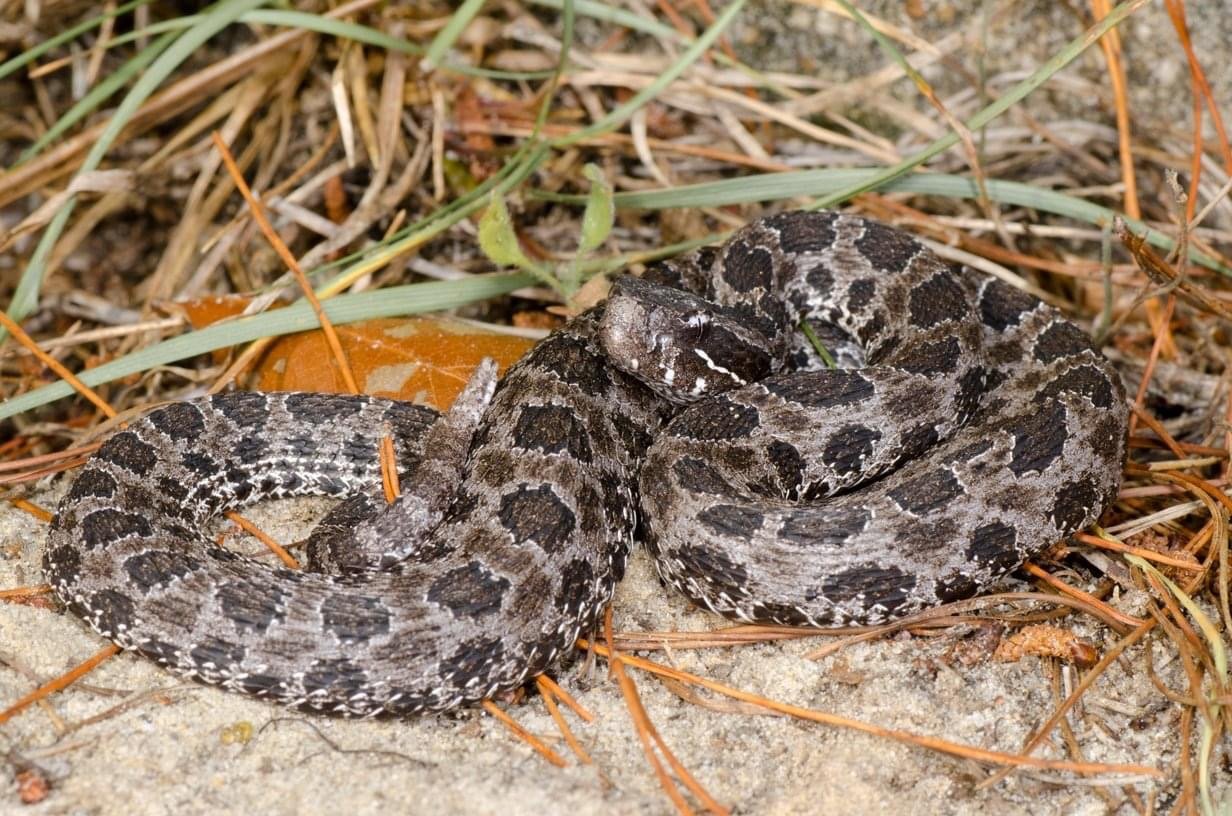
1043, 640
205, 311
426, 360
536, 320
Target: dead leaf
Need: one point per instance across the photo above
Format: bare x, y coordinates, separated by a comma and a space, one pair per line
425, 360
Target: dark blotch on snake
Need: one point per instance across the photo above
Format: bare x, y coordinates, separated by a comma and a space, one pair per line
112, 611
870, 585
822, 389
725, 575
719, 418
92, 482
250, 606
937, 300
1084, 380
129, 451
928, 492
1074, 503
803, 232
885, 247
179, 422
1061, 339
994, 545
829, 527
216, 653
931, 359
1039, 438
339, 675
159, 568
848, 447
748, 266
471, 591
699, 476
355, 618
108, 525
552, 429
1002, 306
537, 514
788, 465
731, 520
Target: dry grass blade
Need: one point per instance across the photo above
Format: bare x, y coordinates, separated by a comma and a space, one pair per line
51, 362
55, 458
258, 214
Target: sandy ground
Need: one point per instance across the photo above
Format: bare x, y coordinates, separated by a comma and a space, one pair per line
171, 749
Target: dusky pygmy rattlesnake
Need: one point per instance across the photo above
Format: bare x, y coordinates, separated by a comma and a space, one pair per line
968, 427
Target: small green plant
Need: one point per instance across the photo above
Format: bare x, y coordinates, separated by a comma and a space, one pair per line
499, 242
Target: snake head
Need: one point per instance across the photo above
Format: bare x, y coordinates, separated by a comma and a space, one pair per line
678, 344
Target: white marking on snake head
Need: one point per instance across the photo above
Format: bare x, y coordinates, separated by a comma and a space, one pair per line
713, 366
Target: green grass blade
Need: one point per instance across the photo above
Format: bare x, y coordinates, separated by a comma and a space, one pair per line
30, 55
801, 183
646, 25
447, 36
1064, 57
25, 298
618, 115
395, 301
98, 95
332, 27
1209, 631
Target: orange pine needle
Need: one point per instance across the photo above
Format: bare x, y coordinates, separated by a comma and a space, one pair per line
932, 743
49, 458
389, 470
565, 697
63, 373
258, 214
63, 681
1087, 681
545, 687
32, 508
1111, 45
1161, 338
640, 720
259, 534
1117, 620
646, 732
530, 739
1160, 431
1149, 555
24, 591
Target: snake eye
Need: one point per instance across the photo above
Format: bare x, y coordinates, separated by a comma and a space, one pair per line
699, 324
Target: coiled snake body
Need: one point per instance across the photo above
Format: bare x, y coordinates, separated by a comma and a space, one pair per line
967, 427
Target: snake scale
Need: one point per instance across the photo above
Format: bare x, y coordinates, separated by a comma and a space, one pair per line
966, 427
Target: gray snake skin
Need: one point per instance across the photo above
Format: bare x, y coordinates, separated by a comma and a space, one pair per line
967, 427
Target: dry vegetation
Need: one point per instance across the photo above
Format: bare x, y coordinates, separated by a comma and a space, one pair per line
374, 143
